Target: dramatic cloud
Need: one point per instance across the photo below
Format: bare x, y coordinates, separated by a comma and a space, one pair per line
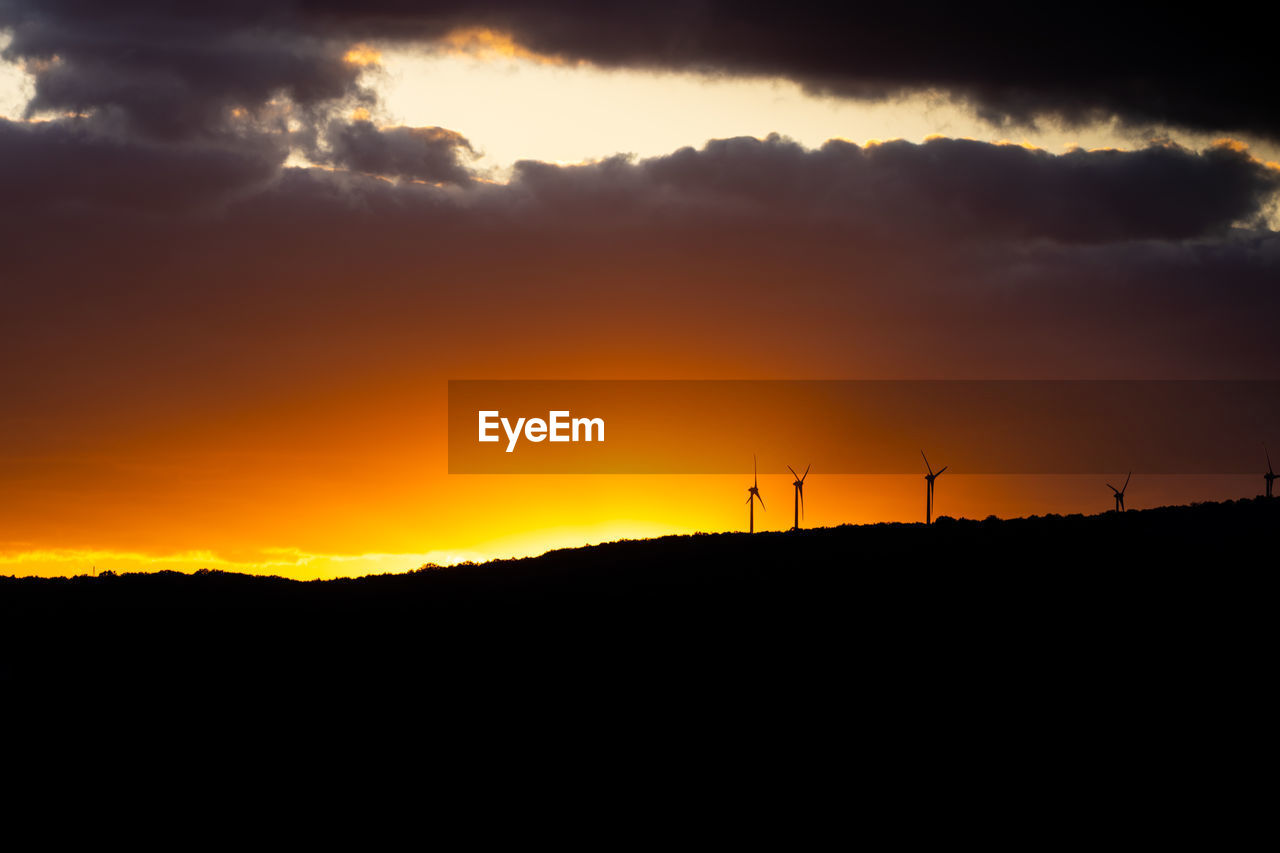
179, 71
1013, 64
941, 189
944, 187
430, 154
990, 258
174, 69
71, 164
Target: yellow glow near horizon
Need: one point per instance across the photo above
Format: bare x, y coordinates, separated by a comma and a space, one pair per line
286, 562
588, 510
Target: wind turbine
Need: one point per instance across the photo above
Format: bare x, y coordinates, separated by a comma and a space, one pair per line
753, 494
1120, 493
1270, 476
799, 484
928, 492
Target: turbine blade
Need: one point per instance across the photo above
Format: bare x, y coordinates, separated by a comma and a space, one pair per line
802, 500
1264, 450
760, 499
926, 461
1126, 483
793, 472
1113, 488
944, 467
806, 471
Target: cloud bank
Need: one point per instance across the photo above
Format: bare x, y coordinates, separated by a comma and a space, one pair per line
174, 70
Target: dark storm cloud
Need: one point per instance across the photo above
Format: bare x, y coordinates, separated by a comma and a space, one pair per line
431, 154
693, 264
323, 273
173, 68
70, 164
944, 187
177, 70
1012, 63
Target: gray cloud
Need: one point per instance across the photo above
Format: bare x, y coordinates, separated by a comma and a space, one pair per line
902, 260
174, 69
943, 187
431, 154
178, 71
71, 165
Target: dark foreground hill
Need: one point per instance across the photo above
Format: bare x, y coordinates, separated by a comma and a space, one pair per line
1216, 525
1028, 666
1163, 576
1061, 557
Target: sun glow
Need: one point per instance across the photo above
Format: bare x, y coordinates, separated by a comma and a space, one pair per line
362, 55
486, 44
293, 563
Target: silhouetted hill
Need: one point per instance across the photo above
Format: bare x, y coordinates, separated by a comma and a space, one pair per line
1042, 648
958, 570
1120, 551
962, 606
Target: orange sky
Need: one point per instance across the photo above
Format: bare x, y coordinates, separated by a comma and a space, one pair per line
353, 481
258, 383
306, 437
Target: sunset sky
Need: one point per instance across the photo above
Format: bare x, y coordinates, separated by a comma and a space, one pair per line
245, 245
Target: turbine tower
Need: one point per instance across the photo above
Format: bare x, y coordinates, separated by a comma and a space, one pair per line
1270, 476
1119, 493
799, 484
928, 492
753, 494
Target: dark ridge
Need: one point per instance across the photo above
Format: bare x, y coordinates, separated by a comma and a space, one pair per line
1077, 623
675, 572
1042, 674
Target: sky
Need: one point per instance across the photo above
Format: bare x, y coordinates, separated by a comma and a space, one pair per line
246, 246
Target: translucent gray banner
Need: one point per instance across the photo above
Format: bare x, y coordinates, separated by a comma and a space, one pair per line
862, 427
